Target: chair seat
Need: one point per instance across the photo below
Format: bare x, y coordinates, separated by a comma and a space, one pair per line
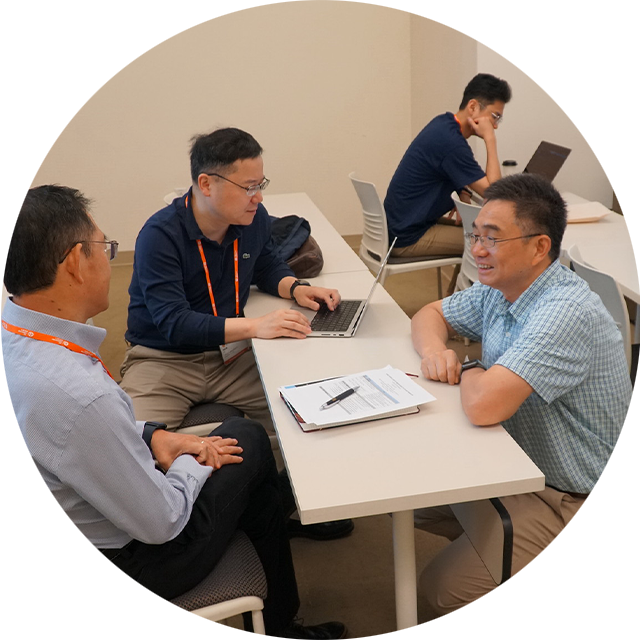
209, 412
238, 574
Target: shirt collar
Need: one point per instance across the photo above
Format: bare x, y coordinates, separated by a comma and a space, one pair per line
521, 308
193, 230
84, 335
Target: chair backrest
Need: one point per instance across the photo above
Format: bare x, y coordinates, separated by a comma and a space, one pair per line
609, 291
375, 238
42, 597
468, 269
176, 193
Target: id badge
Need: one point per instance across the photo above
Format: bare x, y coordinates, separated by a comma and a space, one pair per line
234, 350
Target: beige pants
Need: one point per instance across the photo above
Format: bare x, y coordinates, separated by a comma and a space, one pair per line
550, 529
163, 386
443, 239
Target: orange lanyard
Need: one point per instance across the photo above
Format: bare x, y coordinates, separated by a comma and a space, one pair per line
43, 337
206, 273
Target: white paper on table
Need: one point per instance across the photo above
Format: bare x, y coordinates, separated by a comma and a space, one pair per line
380, 392
586, 212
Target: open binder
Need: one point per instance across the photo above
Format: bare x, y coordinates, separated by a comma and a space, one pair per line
381, 393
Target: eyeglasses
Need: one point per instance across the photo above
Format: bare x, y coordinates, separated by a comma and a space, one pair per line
111, 248
488, 242
251, 191
497, 117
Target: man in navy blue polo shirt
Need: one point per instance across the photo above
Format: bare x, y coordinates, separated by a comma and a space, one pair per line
195, 261
440, 161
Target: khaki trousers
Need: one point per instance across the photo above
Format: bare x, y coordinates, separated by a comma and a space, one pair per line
163, 385
550, 528
443, 238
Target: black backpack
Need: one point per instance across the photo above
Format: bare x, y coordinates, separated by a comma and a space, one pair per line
296, 246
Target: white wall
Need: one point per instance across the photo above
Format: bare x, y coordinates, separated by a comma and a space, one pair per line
347, 95
443, 60
574, 67
322, 101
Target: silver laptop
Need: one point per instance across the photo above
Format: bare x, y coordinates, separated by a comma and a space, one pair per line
345, 320
547, 160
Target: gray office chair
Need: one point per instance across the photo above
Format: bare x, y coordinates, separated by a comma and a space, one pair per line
468, 270
236, 585
375, 239
609, 291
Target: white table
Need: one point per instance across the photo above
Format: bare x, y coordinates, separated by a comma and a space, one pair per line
435, 457
605, 245
338, 256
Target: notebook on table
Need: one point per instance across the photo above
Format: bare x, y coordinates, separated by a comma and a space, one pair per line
547, 160
344, 321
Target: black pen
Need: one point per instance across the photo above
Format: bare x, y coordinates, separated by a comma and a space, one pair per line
339, 397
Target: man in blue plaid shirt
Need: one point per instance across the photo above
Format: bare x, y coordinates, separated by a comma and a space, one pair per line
553, 373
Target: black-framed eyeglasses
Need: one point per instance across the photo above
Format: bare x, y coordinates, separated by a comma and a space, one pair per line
488, 242
111, 248
252, 190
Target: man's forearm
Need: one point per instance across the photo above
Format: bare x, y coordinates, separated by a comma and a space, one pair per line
236, 329
429, 330
284, 287
493, 163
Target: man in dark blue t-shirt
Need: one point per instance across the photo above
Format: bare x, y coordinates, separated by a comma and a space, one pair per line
440, 161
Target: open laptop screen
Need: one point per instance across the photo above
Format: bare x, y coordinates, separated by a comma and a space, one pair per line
547, 160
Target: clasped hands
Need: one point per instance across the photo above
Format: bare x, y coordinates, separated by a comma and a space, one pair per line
211, 451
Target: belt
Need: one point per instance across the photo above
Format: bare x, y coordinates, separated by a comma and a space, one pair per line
97, 558
620, 494
124, 552
573, 494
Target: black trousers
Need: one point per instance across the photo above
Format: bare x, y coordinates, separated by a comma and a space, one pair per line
242, 496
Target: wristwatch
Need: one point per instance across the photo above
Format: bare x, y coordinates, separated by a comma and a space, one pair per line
148, 430
472, 364
298, 283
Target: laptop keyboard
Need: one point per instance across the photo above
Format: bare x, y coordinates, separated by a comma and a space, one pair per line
338, 320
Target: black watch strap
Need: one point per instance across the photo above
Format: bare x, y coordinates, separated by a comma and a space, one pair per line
149, 428
298, 283
472, 364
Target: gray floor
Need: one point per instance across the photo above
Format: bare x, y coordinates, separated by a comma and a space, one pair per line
350, 579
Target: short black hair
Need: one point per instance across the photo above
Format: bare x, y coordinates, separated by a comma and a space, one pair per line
486, 89
52, 219
539, 207
217, 151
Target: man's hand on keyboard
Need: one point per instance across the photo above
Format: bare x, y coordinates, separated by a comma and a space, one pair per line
282, 323
310, 297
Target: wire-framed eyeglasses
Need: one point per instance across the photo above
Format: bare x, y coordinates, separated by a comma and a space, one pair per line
252, 190
111, 248
489, 242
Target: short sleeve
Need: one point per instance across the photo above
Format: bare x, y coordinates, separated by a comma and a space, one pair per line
553, 353
464, 311
461, 166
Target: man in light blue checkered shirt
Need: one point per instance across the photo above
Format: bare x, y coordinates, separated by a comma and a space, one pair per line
553, 373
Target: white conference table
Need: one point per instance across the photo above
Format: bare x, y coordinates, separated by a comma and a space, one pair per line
435, 457
338, 256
